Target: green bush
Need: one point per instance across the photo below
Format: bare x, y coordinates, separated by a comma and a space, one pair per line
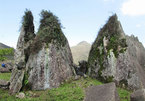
6, 52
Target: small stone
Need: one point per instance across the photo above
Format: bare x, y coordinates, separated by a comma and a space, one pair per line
4, 84
20, 95
77, 77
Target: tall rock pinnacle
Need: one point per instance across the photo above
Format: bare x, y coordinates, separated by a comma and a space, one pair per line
22, 52
117, 57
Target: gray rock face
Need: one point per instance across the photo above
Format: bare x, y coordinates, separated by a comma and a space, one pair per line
117, 57
106, 92
49, 67
138, 95
44, 61
21, 55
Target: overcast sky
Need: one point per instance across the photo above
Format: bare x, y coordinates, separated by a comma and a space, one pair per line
81, 19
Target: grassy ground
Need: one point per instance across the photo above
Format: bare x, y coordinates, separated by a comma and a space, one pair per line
69, 91
124, 94
5, 76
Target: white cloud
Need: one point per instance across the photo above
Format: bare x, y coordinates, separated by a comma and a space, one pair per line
144, 44
138, 25
133, 7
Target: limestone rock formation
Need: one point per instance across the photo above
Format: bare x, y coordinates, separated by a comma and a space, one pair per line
117, 57
50, 61
106, 92
42, 61
22, 52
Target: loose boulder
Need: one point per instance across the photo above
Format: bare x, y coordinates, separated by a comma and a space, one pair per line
10, 66
20, 95
4, 70
138, 95
106, 92
4, 84
117, 57
83, 66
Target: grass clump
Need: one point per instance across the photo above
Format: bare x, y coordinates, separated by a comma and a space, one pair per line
74, 91
5, 76
124, 94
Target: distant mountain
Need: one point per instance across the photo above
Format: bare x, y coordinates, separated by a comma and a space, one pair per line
80, 51
3, 46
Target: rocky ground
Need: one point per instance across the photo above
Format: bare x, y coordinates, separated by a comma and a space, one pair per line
72, 90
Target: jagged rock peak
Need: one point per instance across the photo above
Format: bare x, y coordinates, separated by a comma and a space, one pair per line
113, 26
22, 52
117, 57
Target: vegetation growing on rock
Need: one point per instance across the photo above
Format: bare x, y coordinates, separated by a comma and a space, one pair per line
49, 31
117, 57
27, 24
110, 37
